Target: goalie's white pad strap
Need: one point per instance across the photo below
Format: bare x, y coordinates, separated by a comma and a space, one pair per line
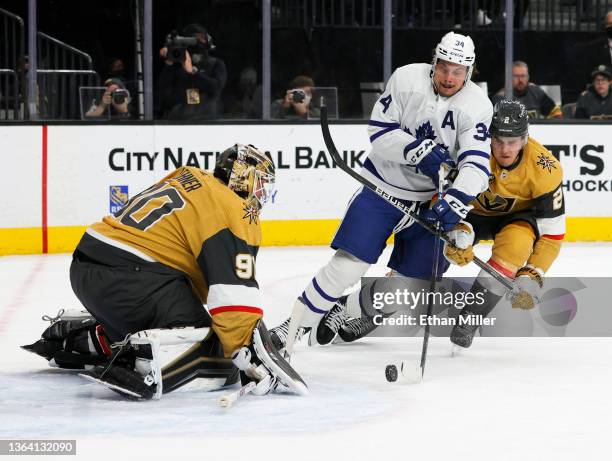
170, 336
457, 205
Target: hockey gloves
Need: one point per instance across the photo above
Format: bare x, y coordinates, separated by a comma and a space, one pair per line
527, 288
251, 369
452, 208
427, 156
461, 253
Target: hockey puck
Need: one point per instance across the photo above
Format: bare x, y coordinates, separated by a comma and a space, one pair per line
391, 373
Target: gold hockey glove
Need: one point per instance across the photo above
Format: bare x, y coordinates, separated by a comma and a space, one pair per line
527, 291
462, 252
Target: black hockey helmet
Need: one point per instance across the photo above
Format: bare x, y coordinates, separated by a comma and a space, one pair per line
248, 171
509, 119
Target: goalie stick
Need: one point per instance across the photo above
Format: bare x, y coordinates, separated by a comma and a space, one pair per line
331, 147
226, 401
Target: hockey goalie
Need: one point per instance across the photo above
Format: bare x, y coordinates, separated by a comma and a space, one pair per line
145, 273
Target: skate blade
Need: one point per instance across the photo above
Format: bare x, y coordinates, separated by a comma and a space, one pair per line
113, 387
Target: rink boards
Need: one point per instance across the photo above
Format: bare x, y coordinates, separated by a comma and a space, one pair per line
60, 178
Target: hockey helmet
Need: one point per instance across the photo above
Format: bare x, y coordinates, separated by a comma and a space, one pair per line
458, 49
509, 119
248, 171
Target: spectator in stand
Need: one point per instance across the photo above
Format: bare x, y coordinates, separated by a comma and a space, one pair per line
603, 47
296, 102
596, 102
114, 104
538, 103
251, 93
608, 30
588, 54
190, 87
116, 69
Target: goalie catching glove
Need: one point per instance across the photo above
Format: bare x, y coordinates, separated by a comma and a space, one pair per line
427, 156
462, 252
527, 291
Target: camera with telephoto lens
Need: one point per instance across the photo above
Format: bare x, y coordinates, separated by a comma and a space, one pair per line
298, 96
119, 96
177, 45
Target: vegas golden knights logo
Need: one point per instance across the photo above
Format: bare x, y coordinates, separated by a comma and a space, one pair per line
493, 202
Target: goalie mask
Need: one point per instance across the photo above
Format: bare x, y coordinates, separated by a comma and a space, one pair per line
458, 49
247, 171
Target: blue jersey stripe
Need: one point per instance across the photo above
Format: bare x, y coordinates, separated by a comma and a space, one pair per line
321, 292
477, 153
384, 124
482, 167
368, 165
375, 136
310, 305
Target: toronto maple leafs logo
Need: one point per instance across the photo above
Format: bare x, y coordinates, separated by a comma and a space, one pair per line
425, 130
546, 163
251, 212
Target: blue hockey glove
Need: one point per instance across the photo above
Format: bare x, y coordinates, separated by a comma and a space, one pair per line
450, 210
427, 156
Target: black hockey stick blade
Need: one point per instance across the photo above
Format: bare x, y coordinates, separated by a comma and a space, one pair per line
397, 203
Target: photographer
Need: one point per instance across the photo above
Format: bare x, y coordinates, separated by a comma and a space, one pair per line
296, 103
115, 101
191, 80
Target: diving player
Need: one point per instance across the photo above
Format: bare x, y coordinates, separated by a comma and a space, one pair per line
429, 114
191, 239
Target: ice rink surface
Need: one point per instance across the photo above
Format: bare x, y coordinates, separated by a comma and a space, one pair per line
504, 399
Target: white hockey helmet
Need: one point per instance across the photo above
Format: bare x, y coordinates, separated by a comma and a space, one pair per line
458, 49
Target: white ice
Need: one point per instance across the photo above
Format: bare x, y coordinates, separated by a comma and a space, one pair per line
504, 399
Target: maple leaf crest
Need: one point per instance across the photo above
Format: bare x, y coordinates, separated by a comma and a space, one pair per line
425, 130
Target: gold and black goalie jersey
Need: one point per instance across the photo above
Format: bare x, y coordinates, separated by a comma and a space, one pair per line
192, 222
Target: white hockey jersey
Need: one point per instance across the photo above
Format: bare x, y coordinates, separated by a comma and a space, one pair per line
410, 109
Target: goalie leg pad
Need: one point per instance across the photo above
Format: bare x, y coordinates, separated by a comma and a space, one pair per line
143, 377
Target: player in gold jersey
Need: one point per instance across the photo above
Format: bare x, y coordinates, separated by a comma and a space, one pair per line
522, 211
190, 239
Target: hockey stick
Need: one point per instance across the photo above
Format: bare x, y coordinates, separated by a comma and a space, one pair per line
329, 143
226, 401
434, 274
